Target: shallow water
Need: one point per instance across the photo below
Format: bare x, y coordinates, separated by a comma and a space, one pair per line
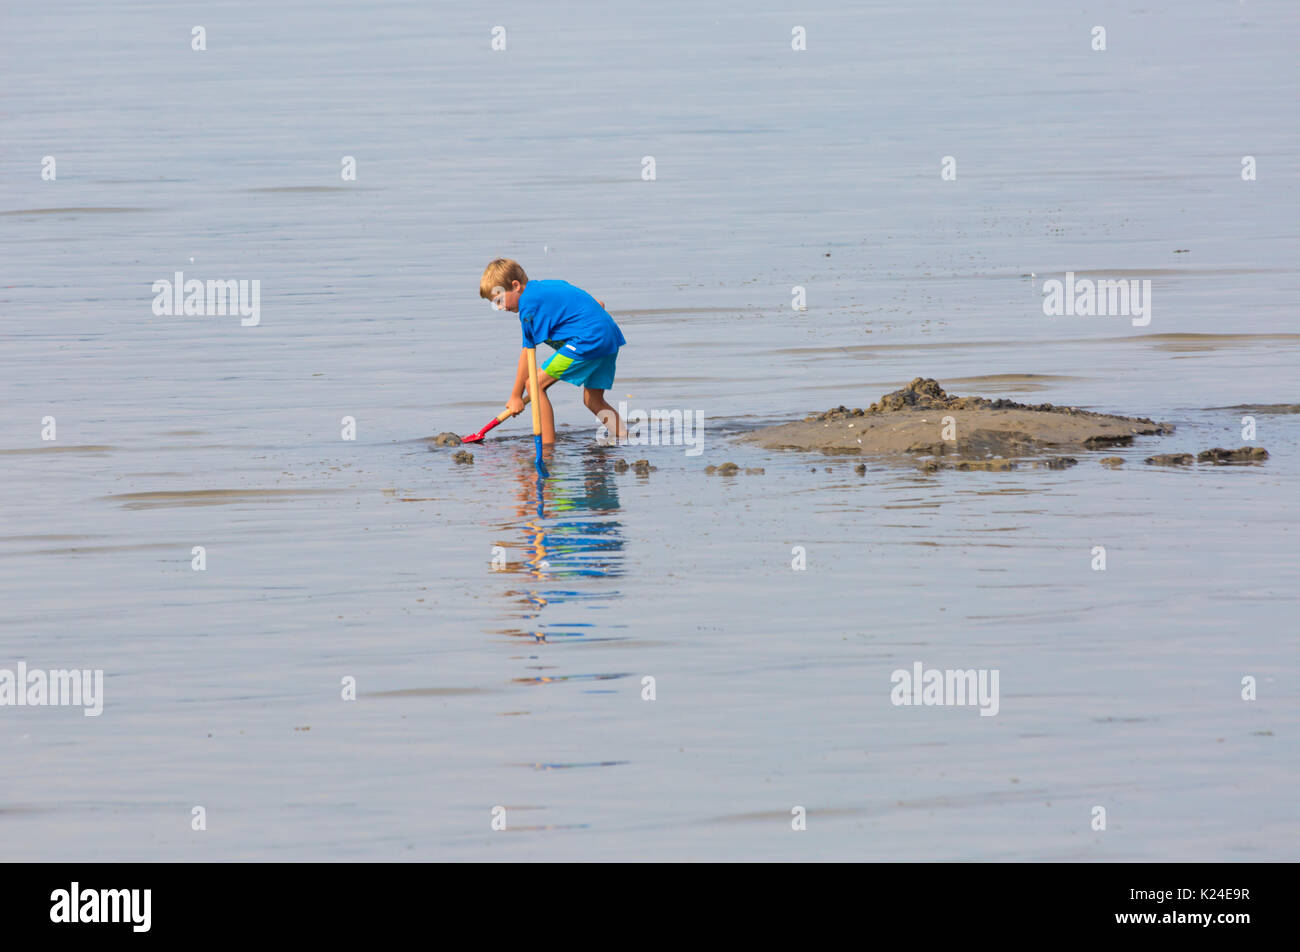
522, 687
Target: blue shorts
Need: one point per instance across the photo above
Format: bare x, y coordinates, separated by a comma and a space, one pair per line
596, 372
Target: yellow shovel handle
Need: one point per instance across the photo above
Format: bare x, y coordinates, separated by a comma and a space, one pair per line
532, 390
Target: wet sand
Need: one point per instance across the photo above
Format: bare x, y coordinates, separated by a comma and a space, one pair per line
922, 420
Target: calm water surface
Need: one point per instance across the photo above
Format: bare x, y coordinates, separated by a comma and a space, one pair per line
520, 684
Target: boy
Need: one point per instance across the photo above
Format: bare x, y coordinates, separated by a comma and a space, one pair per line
585, 338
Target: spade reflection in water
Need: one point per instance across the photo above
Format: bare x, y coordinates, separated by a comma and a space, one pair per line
571, 542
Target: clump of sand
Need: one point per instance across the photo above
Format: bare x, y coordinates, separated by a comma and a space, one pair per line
922, 419
1221, 457
1218, 456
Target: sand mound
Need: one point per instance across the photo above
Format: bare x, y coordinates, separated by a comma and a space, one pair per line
922, 419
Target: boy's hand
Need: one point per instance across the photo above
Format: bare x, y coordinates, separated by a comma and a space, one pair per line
515, 405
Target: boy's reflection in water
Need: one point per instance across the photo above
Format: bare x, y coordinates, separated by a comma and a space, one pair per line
577, 536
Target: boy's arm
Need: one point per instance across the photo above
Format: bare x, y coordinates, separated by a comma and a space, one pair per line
516, 402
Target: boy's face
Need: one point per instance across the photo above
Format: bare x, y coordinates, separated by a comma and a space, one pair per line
507, 299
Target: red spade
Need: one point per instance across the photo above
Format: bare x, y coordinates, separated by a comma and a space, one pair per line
496, 421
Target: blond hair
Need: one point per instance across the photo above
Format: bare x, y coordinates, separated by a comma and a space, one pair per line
499, 274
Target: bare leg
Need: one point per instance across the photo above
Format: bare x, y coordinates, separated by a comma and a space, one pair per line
544, 381
594, 400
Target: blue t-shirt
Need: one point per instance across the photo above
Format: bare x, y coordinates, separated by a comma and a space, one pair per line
567, 318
